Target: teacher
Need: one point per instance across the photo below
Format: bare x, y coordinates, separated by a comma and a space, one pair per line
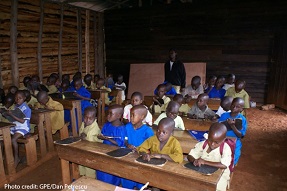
174, 71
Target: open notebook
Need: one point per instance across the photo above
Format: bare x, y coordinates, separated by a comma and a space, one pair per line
238, 124
198, 135
153, 161
203, 169
16, 112
118, 153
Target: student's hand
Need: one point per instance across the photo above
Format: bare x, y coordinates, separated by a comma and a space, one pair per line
156, 156
76, 94
132, 147
146, 156
102, 137
192, 116
199, 162
231, 121
9, 112
214, 118
83, 136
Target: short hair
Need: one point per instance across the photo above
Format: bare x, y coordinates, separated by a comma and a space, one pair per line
87, 76
196, 78
160, 86
137, 94
91, 109
21, 92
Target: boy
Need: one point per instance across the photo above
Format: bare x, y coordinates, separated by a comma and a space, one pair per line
120, 85
136, 133
210, 155
236, 107
210, 84
89, 131
101, 85
109, 81
224, 106
184, 107
169, 90
160, 100
171, 112
51, 84
217, 91
113, 128
200, 109
192, 91
88, 82
136, 99
238, 91
163, 144
57, 116
229, 81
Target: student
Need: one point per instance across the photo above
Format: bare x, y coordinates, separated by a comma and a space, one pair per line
8, 105
229, 81
160, 100
236, 107
96, 78
169, 90
194, 89
65, 86
163, 144
101, 85
12, 90
239, 91
113, 128
88, 82
224, 106
136, 99
66, 77
58, 82
22, 126
51, 84
171, 112
136, 133
89, 131
211, 155
57, 115
184, 107
200, 108
26, 83
120, 85
217, 91
35, 84
210, 83
109, 81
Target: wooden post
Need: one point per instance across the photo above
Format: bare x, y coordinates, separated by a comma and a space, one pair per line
80, 46
60, 42
96, 69
87, 41
39, 48
1, 80
101, 41
13, 43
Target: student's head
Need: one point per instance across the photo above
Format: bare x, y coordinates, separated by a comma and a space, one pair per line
26, 80
165, 129
110, 75
216, 135
78, 83
42, 97
20, 97
12, 90
77, 75
100, 83
136, 98
89, 115
212, 80
202, 100
161, 90
239, 85
66, 77
65, 85
96, 78
9, 100
226, 103
237, 105
168, 87
172, 109
28, 95
219, 82
51, 80
137, 115
230, 79
35, 79
178, 98
115, 112
120, 79
88, 79
172, 54
195, 82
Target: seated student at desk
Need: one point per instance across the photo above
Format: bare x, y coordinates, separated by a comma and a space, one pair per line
121, 86
194, 89
169, 90
51, 84
160, 100
8, 105
101, 85
171, 112
200, 109
136, 133
211, 154
217, 91
88, 82
89, 131
239, 91
57, 115
184, 107
224, 107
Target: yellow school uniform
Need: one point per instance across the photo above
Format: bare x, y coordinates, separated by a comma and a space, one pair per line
91, 87
242, 94
178, 121
52, 89
107, 100
162, 108
184, 108
33, 101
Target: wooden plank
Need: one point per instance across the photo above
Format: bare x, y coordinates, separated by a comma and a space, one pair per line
96, 69
60, 40
87, 41
39, 47
80, 46
101, 42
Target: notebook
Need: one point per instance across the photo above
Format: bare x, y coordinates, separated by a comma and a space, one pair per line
238, 124
203, 169
198, 135
153, 161
118, 153
69, 95
68, 140
16, 112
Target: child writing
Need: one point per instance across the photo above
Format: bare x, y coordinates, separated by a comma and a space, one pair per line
160, 100
171, 112
136, 133
211, 155
229, 81
194, 89
238, 91
236, 107
217, 91
113, 128
200, 109
120, 85
163, 144
184, 107
57, 115
136, 99
89, 131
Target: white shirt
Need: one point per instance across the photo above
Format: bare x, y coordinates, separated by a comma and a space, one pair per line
127, 112
171, 63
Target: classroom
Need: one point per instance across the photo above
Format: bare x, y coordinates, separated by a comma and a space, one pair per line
108, 53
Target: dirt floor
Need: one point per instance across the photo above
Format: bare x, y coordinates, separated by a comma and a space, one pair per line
262, 165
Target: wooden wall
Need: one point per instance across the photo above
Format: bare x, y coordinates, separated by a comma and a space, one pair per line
231, 37
27, 39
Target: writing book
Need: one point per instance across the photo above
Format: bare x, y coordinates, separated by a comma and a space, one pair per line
68, 140
118, 153
16, 112
203, 169
198, 135
238, 124
69, 95
153, 161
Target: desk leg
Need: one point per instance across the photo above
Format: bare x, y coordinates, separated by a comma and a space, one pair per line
74, 122
103, 107
79, 114
49, 132
99, 115
66, 177
8, 151
42, 139
75, 171
2, 171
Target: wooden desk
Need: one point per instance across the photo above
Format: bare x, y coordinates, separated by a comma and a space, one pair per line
42, 119
5, 131
212, 103
99, 94
74, 105
171, 176
196, 124
187, 142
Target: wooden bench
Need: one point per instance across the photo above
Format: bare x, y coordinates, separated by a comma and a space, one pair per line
89, 184
30, 148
